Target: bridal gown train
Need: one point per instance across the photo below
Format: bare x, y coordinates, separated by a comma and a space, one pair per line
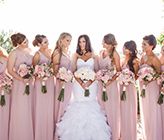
84, 119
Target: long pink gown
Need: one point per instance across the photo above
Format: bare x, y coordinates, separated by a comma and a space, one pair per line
162, 109
112, 105
151, 111
60, 107
4, 110
44, 107
21, 127
129, 113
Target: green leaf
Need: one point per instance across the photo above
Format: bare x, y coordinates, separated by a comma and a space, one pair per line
61, 95
5, 41
44, 89
143, 93
27, 90
104, 96
86, 93
160, 99
123, 96
2, 100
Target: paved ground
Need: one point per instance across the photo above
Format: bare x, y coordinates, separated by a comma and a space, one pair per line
139, 130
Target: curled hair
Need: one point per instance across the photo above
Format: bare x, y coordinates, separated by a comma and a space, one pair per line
58, 46
151, 40
17, 39
38, 39
88, 47
132, 47
110, 40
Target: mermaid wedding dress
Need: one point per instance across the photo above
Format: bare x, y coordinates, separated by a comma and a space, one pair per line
84, 119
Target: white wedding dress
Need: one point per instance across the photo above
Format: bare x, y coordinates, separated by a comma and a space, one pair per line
84, 119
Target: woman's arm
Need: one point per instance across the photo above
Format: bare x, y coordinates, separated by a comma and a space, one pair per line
56, 62
157, 64
116, 58
10, 66
136, 67
36, 59
74, 62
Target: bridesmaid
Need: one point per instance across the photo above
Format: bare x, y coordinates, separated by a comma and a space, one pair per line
21, 127
162, 69
4, 110
44, 102
61, 58
109, 58
150, 109
129, 106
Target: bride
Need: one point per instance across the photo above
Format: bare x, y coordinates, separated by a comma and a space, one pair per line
84, 119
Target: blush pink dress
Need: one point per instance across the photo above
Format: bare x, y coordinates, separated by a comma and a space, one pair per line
162, 109
112, 105
129, 113
60, 107
151, 111
21, 123
44, 106
4, 110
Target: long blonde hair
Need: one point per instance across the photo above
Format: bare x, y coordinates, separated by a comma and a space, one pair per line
59, 44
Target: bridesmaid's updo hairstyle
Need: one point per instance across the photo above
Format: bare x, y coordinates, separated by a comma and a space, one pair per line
38, 39
151, 40
110, 40
17, 39
88, 47
132, 47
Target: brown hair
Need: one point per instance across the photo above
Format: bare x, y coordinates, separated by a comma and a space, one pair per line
151, 40
17, 38
88, 47
38, 39
110, 40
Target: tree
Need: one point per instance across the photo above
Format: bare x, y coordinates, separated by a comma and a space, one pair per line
5, 41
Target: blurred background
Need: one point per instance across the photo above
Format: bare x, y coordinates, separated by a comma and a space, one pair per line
127, 20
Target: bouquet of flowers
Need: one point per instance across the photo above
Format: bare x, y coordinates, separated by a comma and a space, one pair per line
26, 72
65, 76
104, 75
43, 71
160, 81
146, 74
125, 78
85, 74
5, 87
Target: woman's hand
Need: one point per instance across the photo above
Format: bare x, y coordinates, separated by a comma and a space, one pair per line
88, 83
26, 81
61, 82
85, 85
108, 83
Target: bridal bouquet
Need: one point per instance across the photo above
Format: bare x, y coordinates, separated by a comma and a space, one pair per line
65, 76
146, 74
125, 78
26, 72
160, 81
104, 75
85, 74
5, 87
43, 71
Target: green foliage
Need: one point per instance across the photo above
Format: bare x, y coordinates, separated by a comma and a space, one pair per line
160, 39
2, 1
5, 41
